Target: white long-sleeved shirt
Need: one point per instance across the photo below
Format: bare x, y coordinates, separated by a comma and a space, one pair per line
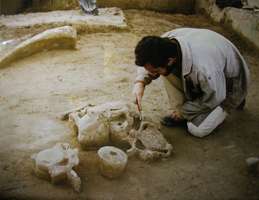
212, 65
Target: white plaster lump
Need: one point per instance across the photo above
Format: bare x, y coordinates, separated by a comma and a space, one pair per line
56, 164
118, 123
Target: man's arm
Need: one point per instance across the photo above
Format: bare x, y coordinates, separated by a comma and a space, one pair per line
144, 76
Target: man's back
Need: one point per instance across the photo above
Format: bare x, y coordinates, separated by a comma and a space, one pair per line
210, 50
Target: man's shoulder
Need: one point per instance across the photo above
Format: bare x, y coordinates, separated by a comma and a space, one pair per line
178, 32
187, 32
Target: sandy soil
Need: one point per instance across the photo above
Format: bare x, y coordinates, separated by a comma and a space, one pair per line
35, 90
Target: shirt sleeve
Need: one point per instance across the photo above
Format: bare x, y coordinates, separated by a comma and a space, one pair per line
213, 93
143, 75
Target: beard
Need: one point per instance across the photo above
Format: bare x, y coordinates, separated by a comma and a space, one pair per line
169, 69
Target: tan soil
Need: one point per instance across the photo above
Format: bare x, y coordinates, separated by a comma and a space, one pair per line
35, 90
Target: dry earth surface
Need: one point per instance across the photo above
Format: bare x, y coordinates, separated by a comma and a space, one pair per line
35, 90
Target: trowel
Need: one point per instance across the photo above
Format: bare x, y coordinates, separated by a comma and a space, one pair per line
139, 110
138, 118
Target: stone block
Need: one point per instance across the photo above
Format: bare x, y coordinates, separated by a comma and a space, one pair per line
108, 19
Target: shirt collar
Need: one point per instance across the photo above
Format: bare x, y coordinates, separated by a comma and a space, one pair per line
186, 56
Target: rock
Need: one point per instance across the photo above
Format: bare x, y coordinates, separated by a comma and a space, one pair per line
253, 3
244, 22
253, 165
62, 37
56, 164
112, 161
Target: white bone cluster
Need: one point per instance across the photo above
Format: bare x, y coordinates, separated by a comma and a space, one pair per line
98, 126
148, 143
57, 163
116, 123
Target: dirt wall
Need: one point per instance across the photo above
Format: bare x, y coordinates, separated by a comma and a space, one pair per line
47, 5
183, 6
245, 22
11, 6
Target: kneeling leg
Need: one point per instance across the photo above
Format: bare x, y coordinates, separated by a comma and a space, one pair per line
212, 121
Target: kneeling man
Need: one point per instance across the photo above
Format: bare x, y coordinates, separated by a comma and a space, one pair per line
204, 74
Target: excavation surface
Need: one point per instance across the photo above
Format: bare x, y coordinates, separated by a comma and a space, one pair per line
34, 92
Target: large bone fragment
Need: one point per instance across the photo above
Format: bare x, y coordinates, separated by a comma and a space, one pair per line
148, 143
97, 126
117, 123
93, 130
56, 164
62, 37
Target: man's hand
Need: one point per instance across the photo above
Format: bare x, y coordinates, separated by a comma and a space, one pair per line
176, 115
138, 92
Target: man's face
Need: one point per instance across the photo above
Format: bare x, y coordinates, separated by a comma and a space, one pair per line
156, 71
164, 71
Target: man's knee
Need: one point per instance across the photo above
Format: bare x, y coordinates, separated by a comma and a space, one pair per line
197, 131
212, 121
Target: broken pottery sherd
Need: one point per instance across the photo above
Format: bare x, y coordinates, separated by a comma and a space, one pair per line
112, 161
57, 163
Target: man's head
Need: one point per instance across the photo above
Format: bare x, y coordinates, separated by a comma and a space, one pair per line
156, 54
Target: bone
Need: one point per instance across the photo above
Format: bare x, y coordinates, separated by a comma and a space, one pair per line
93, 130
65, 115
56, 164
62, 37
112, 161
117, 123
148, 143
100, 125
74, 180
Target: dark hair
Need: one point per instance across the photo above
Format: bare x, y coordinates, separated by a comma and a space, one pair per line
154, 50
